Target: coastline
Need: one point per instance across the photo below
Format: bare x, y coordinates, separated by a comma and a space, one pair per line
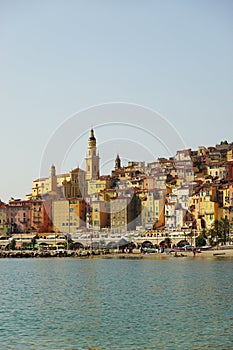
226, 253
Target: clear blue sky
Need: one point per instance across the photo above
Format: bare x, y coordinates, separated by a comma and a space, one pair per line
59, 57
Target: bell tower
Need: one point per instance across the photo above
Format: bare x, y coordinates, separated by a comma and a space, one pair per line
92, 159
117, 162
53, 178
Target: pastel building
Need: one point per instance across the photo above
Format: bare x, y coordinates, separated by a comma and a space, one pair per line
68, 215
184, 165
225, 201
75, 186
18, 215
204, 207
123, 213
152, 208
99, 185
52, 184
3, 226
100, 213
41, 215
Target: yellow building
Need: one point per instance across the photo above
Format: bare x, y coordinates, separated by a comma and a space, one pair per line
76, 185
100, 214
204, 207
53, 183
68, 215
216, 169
98, 185
131, 171
224, 201
211, 211
229, 155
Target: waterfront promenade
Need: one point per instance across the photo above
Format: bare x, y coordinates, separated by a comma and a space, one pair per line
226, 252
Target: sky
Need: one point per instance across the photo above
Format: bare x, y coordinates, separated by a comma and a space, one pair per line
61, 58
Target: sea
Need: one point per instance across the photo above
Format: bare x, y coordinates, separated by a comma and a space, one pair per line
69, 303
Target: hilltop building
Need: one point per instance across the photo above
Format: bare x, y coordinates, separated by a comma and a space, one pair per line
189, 191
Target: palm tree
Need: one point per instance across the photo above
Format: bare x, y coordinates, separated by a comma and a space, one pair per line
225, 226
201, 239
220, 230
215, 231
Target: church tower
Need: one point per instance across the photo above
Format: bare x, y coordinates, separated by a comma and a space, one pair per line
92, 159
117, 162
53, 178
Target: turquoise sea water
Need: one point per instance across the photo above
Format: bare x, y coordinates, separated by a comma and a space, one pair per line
116, 304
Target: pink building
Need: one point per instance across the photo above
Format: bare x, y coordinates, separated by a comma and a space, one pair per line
18, 215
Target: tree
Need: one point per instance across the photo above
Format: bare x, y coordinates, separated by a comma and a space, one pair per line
24, 245
215, 232
225, 228
33, 242
12, 244
70, 242
220, 230
201, 239
211, 236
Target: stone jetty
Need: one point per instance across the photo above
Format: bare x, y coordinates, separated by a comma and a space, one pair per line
41, 254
